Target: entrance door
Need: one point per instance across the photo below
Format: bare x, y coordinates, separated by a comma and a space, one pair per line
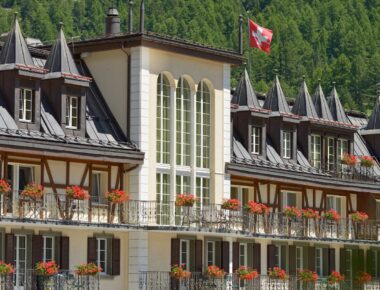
20, 261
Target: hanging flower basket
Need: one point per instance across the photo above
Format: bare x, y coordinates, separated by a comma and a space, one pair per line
215, 272
367, 161
77, 193
46, 269
6, 269
185, 200
331, 215
179, 272
5, 187
307, 276
310, 214
247, 274
33, 191
256, 208
231, 204
89, 269
359, 216
277, 273
116, 196
335, 277
292, 212
349, 159
364, 278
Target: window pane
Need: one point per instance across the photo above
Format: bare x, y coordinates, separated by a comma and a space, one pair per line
163, 119
203, 126
183, 106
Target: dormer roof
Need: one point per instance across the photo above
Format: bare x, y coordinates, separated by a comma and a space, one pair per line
244, 96
303, 106
374, 120
15, 50
275, 100
320, 105
336, 108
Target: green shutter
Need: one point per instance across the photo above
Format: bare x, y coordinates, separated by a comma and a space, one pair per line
371, 262
342, 259
283, 257
292, 260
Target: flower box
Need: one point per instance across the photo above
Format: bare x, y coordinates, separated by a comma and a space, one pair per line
335, 277
47, 269
364, 278
231, 204
185, 200
310, 214
292, 212
256, 208
367, 161
277, 273
77, 193
349, 160
6, 269
215, 272
331, 215
89, 269
33, 191
5, 187
116, 196
359, 216
307, 276
247, 274
179, 272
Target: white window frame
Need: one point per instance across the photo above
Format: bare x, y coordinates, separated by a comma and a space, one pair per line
277, 256
70, 108
163, 124
285, 197
99, 250
20, 272
332, 203
243, 194
185, 251
319, 261
331, 153
99, 185
210, 252
183, 156
343, 147
316, 150
203, 138
202, 191
287, 144
256, 139
163, 198
299, 258
243, 257
26, 105
45, 238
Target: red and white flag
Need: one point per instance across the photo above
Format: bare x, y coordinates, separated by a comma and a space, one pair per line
259, 37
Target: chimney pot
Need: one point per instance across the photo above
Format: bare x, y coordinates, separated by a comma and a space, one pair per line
112, 22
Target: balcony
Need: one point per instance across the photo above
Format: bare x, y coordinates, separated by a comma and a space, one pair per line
54, 209
163, 280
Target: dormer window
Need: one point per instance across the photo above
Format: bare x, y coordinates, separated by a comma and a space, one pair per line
256, 137
26, 105
287, 144
72, 112
342, 147
315, 151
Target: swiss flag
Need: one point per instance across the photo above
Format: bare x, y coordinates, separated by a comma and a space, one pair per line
259, 37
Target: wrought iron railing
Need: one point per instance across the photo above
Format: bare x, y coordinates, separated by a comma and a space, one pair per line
55, 208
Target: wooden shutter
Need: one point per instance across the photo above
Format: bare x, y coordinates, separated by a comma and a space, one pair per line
198, 256
64, 252
283, 257
325, 262
331, 261
292, 260
371, 262
109, 256
218, 253
235, 256
250, 255
271, 256
342, 259
9, 248
257, 257
192, 256
91, 250
115, 257
37, 249
357, 262
310, 258
174, 252
225, 256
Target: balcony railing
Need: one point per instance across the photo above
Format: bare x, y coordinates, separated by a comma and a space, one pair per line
163, 280
54, 208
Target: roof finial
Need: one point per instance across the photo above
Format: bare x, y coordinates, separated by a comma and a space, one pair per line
60, 25
15, 14
303, 77
319, 81
334, 83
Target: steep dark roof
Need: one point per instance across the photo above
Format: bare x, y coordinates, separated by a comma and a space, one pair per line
275, 100
374, 120
303, 106
336, 108
320, 105
244, 96
15, 50
60, 59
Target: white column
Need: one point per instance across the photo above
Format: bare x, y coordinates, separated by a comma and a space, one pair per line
227, 125
230, 266
137, 257
264, 255
139, 121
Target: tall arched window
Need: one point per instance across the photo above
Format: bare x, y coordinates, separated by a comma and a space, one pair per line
163, 119
203, 126
183, 108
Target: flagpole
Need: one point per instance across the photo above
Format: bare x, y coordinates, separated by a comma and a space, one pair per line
241, 34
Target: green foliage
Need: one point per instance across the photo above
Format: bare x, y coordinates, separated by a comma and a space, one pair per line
331, 40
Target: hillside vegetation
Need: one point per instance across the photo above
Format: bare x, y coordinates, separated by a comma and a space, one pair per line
331, 40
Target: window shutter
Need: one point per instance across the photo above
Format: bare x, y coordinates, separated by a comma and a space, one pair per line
174, 252
235, 256
311, 258
9, 248
37, 249
292, 260
91, 250
271, 256
64, 253
218, 253
225, 256
357, 262
283, 257
115, 257
109, 256
331, 261
250, 255
192, 256
325, 262
342, 259
198, 256
257, 257
371, 262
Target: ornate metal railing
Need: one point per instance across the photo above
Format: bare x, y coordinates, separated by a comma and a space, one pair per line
163, 280
55, 209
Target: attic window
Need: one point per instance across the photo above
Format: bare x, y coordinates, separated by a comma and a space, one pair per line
255, 140
26, 105
71, 112
287, 144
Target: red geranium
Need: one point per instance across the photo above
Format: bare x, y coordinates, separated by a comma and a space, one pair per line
310, 213
76, 192
231, 204
256, 208
359, 216
33, 191
245, 273
277, 273
331, 215
185, 199
364, 277
5, 187
179, 272
116, 196
215, 272
6, 269
335, 277
47, 269
292, 212
88, 269
349, 159
367, 161
307, 276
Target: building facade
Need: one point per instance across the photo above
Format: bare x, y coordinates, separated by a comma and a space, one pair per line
156, 117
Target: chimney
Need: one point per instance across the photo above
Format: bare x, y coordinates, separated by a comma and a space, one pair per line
142, 12
130, 24
112, 22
